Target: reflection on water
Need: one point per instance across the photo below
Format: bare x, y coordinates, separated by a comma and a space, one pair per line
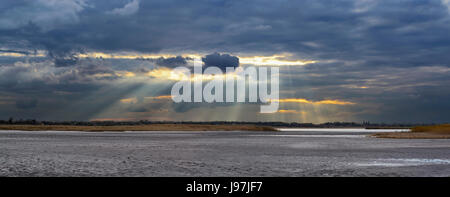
359, 130
404, 162
321, 136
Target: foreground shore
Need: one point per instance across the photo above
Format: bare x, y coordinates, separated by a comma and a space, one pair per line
218, 153
150, 127
421, 132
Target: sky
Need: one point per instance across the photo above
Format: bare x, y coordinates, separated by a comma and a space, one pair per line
348, 60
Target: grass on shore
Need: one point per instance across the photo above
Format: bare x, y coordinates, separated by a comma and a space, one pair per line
420, 132
438, 129
150, 127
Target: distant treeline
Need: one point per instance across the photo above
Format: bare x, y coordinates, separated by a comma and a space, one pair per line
273, 124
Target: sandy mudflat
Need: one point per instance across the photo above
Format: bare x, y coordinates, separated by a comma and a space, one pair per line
219, 153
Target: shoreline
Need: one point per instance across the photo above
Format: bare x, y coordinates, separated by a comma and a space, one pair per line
151, 127
411, 135
421, 132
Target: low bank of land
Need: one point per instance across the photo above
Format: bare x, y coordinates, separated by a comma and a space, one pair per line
420, 132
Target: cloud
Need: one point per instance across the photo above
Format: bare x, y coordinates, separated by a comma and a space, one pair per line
146, 99
171, 61
446, 3
44, 13
65, 61
385, 33
15, 51
274, 60
220, 60
321, 102
290, 111
129, 9
26, 104
398, 50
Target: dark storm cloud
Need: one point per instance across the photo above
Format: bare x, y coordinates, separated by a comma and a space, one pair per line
221, 61
64, 93
43, 77
394, 47
382, 33
392, 94
172, 61
65, 61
